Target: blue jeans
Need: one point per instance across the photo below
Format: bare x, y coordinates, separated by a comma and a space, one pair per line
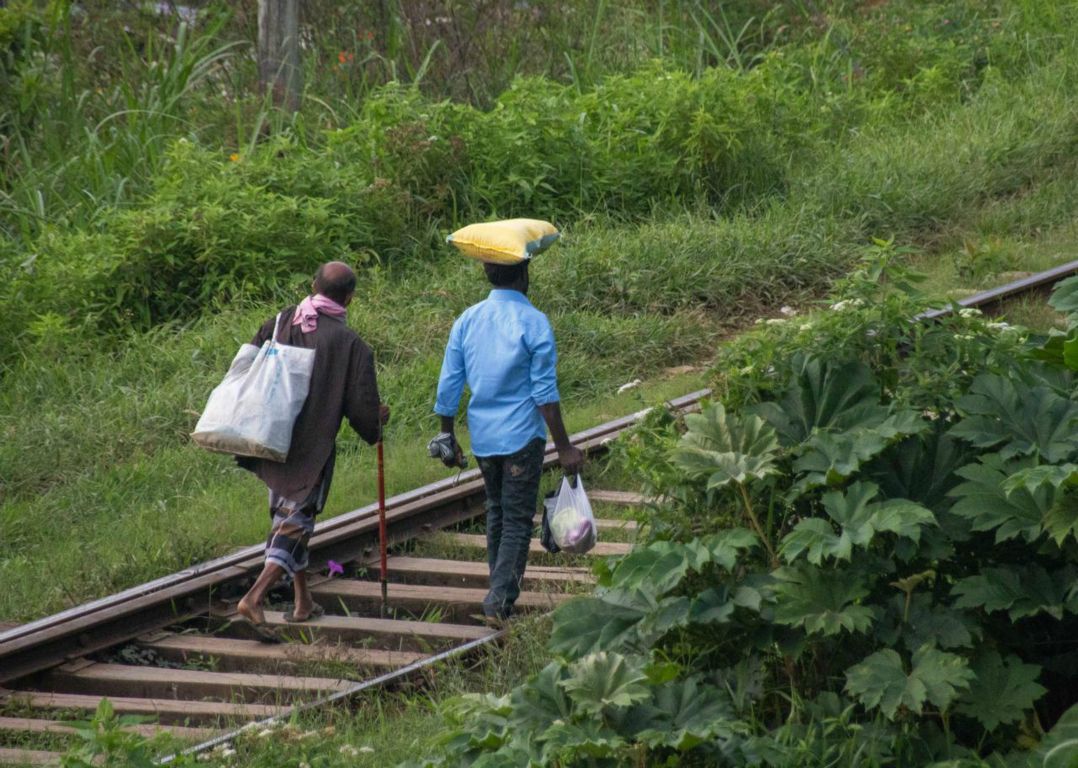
512, 486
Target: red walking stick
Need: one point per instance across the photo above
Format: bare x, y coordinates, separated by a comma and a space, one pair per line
382, 530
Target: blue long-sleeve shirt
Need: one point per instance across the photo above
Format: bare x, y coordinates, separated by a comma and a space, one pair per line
503, 347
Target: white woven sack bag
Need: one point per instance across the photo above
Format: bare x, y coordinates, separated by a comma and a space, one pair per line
252, 411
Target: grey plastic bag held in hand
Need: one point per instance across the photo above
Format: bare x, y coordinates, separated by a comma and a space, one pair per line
572, 523
252, 411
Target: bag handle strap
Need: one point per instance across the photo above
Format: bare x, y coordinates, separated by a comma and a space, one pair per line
276, 328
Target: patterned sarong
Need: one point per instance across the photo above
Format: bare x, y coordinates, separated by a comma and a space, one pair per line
292, 524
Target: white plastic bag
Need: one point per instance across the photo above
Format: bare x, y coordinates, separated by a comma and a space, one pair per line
572, 524
252, 411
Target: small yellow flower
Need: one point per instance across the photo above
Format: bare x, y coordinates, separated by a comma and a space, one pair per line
234, 157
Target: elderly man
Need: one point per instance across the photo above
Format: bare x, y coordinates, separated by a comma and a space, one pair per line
343, 385
503, 347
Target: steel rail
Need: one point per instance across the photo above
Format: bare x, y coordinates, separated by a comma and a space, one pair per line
1040, 281
103, 623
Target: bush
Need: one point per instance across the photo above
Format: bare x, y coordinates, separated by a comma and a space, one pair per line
217, 228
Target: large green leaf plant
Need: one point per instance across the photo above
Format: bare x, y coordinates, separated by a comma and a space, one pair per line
866, 558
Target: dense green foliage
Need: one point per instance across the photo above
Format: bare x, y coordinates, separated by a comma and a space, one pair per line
868, 556
81, 138
214, 222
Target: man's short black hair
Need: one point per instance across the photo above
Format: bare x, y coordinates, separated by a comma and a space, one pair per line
335, 281
501, 275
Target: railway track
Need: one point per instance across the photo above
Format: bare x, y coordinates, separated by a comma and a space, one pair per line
169, 650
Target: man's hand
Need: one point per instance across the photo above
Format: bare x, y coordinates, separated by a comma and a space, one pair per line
571, 459
383, 413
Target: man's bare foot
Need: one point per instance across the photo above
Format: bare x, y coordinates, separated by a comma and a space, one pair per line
251, 611
300, 614
302, 608
302, 601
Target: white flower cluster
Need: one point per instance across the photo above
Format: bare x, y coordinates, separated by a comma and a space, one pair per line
220, 752
969, 312
349, 751
842, 306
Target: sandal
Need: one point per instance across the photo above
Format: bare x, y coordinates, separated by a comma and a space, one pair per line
316, 611
248, 630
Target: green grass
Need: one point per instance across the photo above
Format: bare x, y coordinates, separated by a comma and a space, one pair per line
816, 146
1034, 314
152, 81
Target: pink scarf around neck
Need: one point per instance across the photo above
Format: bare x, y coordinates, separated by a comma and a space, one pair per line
306, 314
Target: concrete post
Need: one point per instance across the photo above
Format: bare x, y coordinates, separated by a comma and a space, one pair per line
279, 67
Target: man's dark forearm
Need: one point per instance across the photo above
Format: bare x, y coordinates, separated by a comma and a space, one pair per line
552, 415
571, 457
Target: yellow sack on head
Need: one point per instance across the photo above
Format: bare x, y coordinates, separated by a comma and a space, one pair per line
504, 242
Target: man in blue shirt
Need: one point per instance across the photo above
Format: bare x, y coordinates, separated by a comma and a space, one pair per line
503, 348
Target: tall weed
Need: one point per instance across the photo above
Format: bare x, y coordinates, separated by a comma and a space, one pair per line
83, 140
848, 571
215, 228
